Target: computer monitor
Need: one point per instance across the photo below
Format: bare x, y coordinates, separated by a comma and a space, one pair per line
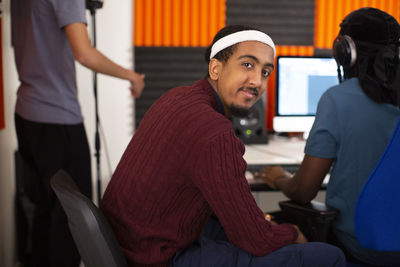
300, 83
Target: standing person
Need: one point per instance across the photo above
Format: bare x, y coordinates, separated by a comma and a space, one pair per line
185, 164
353, 125
48, 36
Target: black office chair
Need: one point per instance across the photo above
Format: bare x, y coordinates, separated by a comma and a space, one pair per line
92, 234
314, 219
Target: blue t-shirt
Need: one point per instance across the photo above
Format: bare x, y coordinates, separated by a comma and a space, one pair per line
45, 61
354, 130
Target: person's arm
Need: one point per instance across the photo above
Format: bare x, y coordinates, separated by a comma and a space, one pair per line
90, 57
219, 176
303, 186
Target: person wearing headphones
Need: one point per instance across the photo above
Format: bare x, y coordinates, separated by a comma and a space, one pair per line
353, 124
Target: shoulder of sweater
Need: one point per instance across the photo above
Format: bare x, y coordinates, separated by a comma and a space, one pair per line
200, 84
207, 124
197, 99
192, 106
182, 95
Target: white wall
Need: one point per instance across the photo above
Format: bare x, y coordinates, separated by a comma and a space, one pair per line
114, 39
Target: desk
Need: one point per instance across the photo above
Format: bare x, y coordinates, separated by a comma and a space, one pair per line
278, 151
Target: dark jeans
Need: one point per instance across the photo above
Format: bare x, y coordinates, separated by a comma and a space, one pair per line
214, 249
46, 148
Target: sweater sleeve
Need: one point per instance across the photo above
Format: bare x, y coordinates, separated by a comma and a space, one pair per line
220, 176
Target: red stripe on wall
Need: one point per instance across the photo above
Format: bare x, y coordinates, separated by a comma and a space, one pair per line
2, 119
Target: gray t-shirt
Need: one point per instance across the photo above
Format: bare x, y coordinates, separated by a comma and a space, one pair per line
354, 130
45, 61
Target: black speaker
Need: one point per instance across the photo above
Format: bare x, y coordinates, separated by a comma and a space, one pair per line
251, 129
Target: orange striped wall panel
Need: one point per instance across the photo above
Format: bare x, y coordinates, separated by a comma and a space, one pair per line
329, 14
177, 22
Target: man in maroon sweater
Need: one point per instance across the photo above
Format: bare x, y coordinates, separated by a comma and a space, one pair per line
184, 165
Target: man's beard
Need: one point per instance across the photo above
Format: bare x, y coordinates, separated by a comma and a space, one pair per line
237, 111
242, 112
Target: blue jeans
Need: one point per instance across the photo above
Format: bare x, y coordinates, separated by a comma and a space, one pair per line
213, 249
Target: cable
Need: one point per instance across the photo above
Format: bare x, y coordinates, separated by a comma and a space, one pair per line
339, 74
107, 154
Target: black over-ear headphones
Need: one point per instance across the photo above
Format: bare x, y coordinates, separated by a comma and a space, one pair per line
386, 59
344, 51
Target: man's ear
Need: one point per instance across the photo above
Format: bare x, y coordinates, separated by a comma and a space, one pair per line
214, 68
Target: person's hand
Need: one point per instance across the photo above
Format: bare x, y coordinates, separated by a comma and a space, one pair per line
137, 84
300, 238
270, 174
269, 218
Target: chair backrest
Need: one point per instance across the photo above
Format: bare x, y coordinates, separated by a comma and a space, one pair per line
92, 234
377, 214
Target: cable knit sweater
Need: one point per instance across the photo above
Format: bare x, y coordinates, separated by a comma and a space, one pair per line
183, 164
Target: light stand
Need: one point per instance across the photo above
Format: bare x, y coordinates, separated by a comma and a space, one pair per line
92, 6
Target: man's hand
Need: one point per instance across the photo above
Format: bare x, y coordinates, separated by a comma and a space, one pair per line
137, 84
300, 238
271, 174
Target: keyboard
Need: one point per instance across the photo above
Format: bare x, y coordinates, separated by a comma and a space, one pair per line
260, 185
292, 168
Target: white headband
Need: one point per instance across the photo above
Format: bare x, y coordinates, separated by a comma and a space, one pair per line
237, 37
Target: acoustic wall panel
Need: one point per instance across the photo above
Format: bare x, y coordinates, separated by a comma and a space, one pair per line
177, 22
170, 38
330, 13
165, 68
288, 22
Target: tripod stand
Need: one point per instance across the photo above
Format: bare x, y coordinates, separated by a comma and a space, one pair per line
92, 5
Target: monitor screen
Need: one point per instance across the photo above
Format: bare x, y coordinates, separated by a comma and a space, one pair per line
300, 83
